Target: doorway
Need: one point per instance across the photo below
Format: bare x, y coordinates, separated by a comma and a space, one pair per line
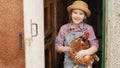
95, 20
60, 17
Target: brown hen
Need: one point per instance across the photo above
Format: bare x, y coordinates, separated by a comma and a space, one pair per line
81, 44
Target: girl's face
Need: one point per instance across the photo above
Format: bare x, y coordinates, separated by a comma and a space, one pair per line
77, 16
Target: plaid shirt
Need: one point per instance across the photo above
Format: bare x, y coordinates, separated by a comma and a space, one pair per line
65, 29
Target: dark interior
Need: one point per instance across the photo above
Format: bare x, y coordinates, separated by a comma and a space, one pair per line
52, 58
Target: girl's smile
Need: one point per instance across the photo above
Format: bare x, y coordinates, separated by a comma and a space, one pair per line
77, 16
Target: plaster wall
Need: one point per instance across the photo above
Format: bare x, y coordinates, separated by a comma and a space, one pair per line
112, 53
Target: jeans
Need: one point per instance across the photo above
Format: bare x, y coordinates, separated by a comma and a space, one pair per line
70, 64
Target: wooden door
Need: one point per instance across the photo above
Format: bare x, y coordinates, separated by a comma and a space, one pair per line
12, 53
49, 33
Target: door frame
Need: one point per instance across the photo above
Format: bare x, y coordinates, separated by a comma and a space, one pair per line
34, 43
26, 21
103, 31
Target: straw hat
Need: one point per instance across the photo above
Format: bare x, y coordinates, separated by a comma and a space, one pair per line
79, 5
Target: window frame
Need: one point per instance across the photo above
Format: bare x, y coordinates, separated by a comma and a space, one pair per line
103, 31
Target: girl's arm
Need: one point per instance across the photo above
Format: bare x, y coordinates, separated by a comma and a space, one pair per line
64, 49
90, 51
60, 39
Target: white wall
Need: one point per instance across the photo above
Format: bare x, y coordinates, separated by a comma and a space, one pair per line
113, 34
34, 46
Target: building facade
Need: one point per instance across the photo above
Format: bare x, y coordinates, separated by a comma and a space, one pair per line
40, 20
112, 51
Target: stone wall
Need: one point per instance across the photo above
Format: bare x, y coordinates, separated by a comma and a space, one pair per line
112, 34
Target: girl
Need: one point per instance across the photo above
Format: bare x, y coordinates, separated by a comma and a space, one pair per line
78, 12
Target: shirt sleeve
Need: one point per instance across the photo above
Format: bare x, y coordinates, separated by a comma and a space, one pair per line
92, 38
59, 41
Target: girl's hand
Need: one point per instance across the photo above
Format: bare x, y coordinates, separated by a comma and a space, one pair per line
67, 49
81, 54
86, 52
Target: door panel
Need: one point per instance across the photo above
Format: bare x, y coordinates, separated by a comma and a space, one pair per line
49, 33
12, 53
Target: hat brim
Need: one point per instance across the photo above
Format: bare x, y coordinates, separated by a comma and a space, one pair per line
86, 10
